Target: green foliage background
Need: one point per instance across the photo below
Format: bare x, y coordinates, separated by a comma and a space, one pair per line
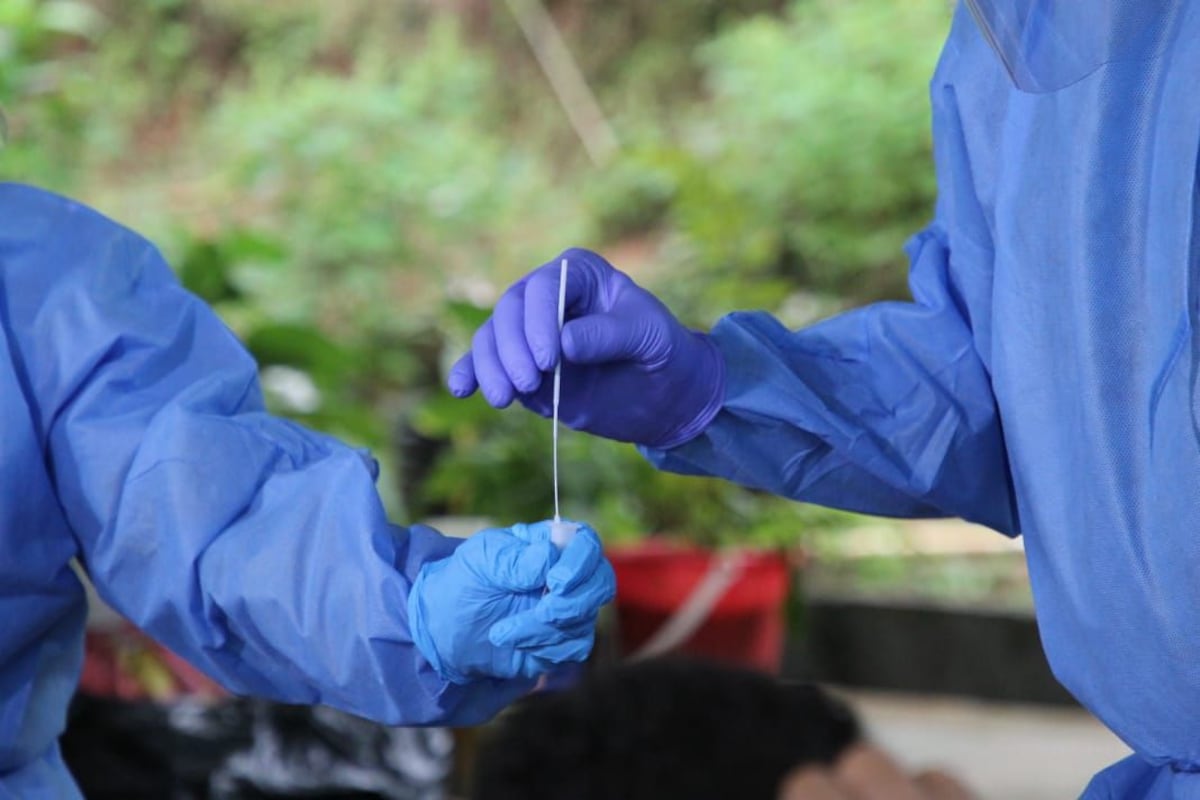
351, 183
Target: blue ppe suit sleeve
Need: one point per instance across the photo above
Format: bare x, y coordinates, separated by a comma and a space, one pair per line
885, 410
255, 548
1133, 777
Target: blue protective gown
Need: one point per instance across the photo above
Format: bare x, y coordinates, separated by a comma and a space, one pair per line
1044, 381
133, 438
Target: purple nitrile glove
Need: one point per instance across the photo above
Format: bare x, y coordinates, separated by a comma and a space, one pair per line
631, 371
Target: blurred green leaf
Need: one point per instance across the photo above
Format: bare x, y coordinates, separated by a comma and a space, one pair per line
70, 17
466, 316
304, 348
204, 270
243, 244
445, 416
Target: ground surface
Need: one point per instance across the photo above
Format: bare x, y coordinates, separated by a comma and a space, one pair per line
1002, 752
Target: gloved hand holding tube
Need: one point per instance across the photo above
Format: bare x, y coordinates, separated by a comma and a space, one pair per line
509, 604
631, 371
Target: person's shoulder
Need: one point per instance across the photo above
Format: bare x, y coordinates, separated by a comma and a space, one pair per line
23, 205
29, 214
21, 199
47, 238
967, 60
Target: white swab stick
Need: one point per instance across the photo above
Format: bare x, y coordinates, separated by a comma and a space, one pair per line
560, 532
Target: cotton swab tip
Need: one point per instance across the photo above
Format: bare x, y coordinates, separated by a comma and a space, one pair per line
561, 533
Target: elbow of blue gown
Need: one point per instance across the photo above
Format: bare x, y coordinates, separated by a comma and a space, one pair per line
253, 547
884, 410
288, 582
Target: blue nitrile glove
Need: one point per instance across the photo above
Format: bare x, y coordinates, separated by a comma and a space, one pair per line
507, 604
631, 372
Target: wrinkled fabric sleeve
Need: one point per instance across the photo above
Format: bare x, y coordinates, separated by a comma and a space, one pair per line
255, 548
1133, 777
885, 410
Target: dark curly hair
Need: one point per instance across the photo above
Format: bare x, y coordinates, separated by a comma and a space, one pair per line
661, 730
